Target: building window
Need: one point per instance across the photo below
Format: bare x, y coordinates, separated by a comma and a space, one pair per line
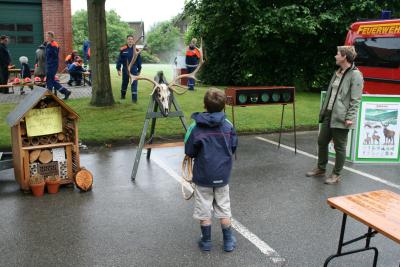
25, 39
7, 27
378, 52
24, 27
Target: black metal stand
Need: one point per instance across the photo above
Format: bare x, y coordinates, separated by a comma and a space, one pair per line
153, 114
294, 127
367, 236
280, 131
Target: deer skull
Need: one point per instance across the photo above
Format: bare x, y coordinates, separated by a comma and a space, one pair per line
162, 95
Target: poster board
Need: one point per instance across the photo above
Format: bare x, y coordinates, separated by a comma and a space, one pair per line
43, 121
378, 129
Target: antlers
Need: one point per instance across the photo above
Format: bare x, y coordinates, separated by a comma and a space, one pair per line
134, 56
384, 124
156, 84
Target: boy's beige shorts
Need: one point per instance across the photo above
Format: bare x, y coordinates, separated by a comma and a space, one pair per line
208, 198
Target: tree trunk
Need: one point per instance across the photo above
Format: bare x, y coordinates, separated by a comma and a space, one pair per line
101, 82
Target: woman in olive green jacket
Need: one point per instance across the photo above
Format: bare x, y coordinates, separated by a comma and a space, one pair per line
339, 113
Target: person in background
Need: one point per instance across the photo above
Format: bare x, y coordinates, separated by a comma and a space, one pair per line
338, 113
86, 52
192, 60
25, 73
71, 58
126, 54
40, 61
52, 50
5, 61
76, 71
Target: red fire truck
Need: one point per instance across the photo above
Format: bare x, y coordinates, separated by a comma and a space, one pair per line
378, 54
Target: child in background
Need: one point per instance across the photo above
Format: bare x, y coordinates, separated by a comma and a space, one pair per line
211, 140
25, 72
76, 71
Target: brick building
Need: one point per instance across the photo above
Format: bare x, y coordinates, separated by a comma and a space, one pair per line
27, 21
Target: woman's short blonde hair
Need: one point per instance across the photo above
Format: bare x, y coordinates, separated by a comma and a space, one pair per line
348, 51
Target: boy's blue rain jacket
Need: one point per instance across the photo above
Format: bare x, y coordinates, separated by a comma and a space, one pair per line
211, 140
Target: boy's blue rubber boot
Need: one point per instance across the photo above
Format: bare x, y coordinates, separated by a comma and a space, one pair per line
229, 239
205, 240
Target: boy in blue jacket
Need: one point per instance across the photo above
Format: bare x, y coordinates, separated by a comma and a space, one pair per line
211, 140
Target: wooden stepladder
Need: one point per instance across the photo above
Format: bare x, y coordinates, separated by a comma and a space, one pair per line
153, 113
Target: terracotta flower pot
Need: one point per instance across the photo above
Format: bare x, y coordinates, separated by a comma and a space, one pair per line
37, 189
53, 186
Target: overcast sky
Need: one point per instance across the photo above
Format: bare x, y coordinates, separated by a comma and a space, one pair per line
150, 11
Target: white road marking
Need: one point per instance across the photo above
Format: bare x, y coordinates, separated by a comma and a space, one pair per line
367, 175
261, 245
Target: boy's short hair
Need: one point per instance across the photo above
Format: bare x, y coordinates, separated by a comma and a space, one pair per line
348, 51
214, 100
130, 35
23, 59
51, 34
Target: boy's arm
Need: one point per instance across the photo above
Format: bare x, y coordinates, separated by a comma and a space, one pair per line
234, 140
191, 144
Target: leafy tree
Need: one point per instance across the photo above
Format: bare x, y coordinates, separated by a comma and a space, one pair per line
163, 38
117, 31
149, 58
275, 42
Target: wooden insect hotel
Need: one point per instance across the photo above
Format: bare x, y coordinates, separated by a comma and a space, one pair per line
44, 133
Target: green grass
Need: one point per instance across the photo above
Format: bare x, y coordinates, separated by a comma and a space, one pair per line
124, 121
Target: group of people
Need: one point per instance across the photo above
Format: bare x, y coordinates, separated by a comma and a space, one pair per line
46, 65
211, 140
5, 65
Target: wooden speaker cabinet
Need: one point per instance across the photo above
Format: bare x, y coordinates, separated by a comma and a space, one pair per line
259, 95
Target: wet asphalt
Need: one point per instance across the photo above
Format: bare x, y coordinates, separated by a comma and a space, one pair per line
148, 223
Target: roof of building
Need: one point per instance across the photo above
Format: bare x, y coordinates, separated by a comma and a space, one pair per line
30, 101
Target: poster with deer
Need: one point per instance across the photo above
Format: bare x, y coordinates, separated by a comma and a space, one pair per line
378, 131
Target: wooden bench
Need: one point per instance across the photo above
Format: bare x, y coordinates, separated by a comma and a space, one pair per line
379, 210
164, 145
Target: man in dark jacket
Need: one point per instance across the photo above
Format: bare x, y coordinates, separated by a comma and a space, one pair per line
126, 54
211, 140
52, 50
192, 60
5, 60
